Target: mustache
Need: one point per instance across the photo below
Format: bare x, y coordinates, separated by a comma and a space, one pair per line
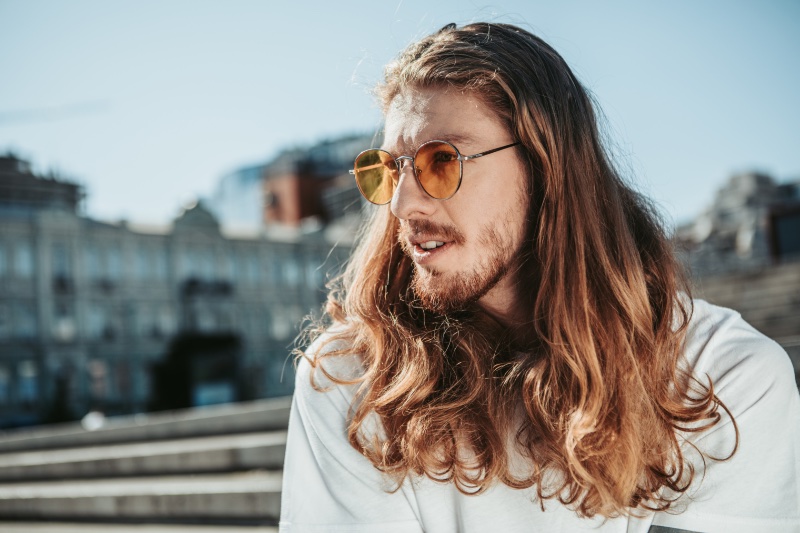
411, 229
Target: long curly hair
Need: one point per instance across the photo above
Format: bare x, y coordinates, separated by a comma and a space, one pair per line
593, 399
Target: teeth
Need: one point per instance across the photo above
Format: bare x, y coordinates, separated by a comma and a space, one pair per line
430, 245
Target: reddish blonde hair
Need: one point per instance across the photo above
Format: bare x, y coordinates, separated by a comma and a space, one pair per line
597, 396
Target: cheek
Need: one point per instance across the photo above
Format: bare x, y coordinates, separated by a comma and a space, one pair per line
493, 216
505, 201
491, 195
496, 200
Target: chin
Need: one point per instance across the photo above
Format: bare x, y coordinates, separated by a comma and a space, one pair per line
444, 293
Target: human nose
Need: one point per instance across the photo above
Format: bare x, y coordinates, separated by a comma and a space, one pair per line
409, 199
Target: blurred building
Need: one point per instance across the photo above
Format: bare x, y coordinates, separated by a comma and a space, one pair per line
93, 315
299, 186
753, 222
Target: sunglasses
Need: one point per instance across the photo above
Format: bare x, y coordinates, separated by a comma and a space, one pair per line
437, 165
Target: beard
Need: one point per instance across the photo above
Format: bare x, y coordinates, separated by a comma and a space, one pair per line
445, 292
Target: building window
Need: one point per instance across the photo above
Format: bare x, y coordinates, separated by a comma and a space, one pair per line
291, 273
94, 267
142, 263
96, 321
23, 260
186, 264
314, 275
226, 267
154, 322
160, 263
98, 378
61, 263
238, 266
252, 270
5, 385
276, 270
63, 321
114, 257
61, 268
206, 267
27, 381
26, 324
103, 322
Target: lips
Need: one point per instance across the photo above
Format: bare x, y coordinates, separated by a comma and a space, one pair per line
424, 240
430, 245
424, 250
426, 243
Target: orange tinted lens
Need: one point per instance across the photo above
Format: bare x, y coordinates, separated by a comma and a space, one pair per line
376, 174
438, 169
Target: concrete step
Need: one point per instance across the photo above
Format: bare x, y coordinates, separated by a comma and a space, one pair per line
263, 450
780, 286
93, 527
260, 415
783, 298
787, 274
251, 496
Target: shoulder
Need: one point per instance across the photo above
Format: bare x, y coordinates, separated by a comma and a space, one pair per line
328, 378
327, 484
750, 373
324, 394
721, 344
755, 489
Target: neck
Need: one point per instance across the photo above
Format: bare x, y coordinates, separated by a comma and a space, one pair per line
507, 303
504, 304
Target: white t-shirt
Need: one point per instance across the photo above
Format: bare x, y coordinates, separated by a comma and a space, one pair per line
328, 486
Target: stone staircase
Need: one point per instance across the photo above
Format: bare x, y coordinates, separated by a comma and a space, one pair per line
199, 470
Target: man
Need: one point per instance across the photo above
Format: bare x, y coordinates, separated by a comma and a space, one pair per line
512, 346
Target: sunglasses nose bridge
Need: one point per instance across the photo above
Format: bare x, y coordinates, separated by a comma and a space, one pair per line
400, 162
401, 165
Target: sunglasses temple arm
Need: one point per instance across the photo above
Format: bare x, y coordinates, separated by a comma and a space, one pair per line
487, 152
367, 168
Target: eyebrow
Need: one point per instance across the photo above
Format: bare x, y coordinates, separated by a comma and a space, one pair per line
455, 139
458, 138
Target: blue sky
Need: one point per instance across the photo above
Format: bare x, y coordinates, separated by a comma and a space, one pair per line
148, 103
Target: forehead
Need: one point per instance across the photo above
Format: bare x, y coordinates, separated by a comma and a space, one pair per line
417, 115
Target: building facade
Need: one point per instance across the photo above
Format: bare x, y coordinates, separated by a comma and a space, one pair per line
89, 310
